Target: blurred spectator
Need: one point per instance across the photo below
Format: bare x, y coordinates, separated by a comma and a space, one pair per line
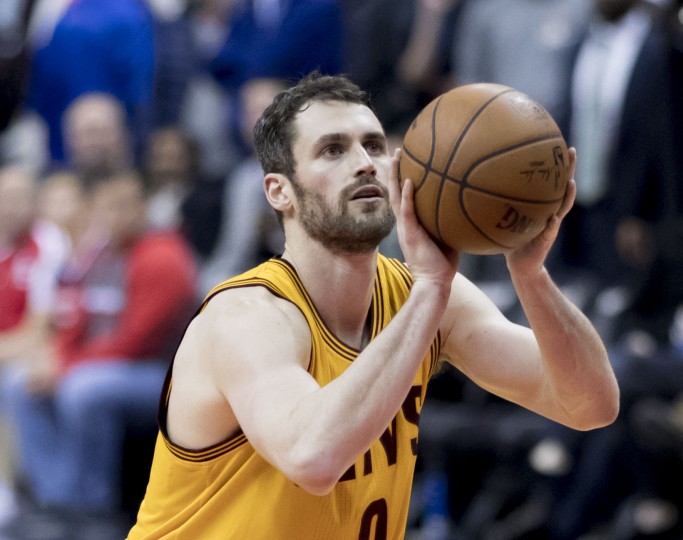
170, 161
525, 44
250, 232
22, 138
61, 201
31, 253
622, 126
14, 57
276, 38
96, 137
398, 51
206, 109
93, 46
181, 197
617, 470
123, 299
280, 39
175, 60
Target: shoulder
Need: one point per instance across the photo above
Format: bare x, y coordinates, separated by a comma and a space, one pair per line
252, 317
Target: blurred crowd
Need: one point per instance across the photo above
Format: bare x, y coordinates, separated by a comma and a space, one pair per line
128, 189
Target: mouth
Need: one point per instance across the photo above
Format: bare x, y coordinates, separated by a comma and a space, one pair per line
367, 193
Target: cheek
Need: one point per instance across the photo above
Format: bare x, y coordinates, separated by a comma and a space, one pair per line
383, 166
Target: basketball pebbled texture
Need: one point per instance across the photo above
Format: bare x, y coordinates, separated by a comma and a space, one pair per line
489, 165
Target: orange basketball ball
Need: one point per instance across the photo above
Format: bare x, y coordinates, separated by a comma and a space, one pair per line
489, 166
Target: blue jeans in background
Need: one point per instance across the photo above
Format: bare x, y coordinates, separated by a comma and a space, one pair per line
70, 443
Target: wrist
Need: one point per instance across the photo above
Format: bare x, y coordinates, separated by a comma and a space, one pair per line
436, 289
530, 280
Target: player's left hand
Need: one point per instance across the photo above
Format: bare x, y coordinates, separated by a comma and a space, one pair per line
528, 259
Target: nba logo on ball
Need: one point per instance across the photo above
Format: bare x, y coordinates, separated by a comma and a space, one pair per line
489, 165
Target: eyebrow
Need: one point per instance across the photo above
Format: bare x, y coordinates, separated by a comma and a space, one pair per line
341, 137
330, 138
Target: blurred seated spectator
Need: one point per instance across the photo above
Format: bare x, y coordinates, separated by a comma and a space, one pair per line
623, 117
277, 39
170, 161
181, 197
249, 232
525, 44
175, 60
97, 138
123, 299
92, 46
31, 254
206, 109
61, 201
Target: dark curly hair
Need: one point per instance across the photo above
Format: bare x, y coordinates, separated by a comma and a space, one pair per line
274, 132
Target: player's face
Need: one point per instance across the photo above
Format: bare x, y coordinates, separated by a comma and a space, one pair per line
341, 185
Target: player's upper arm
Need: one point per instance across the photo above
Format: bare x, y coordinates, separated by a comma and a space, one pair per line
480, 341
259, 352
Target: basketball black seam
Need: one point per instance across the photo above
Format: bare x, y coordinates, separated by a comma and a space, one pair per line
454, 151
426, 166
478, 189
464, 183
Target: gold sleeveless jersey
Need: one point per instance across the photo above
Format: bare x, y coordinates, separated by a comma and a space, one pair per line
228, 492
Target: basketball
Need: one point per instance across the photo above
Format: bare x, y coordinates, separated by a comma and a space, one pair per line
489, 166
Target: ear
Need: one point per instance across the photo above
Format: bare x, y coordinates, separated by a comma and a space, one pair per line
278, 190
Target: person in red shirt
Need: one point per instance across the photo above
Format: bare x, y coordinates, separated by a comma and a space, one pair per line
123, 300
31, 253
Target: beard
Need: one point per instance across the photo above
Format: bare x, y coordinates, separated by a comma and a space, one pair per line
336, 229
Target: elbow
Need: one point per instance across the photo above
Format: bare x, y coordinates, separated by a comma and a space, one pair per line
601, 406
315, 472
599, 419
600, 414
612, 411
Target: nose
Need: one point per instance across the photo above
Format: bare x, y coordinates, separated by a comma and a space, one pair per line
364, 164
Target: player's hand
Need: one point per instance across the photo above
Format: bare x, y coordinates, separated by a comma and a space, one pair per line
528, 259
426, 259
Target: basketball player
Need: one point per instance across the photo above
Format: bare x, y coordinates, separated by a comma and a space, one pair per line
293, 406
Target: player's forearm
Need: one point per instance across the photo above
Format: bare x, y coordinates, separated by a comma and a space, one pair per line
342, 419
577, 373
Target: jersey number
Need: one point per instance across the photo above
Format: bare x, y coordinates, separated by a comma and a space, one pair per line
375, 512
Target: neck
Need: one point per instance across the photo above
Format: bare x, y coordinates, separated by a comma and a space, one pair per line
340, 285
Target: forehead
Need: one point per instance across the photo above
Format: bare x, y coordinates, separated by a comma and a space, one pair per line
322, 118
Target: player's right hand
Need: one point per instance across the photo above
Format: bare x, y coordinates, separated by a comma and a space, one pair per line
426, 259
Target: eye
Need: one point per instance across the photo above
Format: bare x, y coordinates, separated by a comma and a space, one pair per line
375, 147
332, 151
